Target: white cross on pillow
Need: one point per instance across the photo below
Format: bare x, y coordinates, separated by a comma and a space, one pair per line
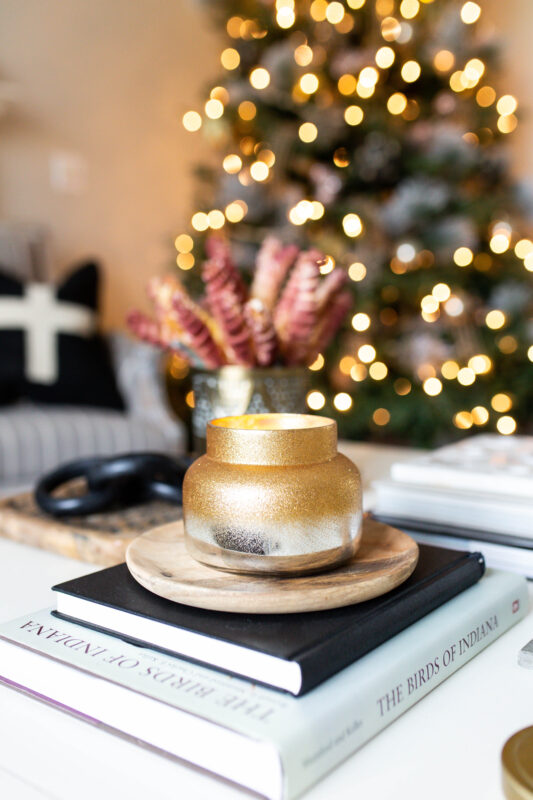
42, 316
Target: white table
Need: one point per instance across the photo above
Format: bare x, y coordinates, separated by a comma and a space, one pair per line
445, 748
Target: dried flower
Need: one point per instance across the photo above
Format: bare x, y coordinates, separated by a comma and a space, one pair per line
262, 331
272, 264
196, 333
230, 325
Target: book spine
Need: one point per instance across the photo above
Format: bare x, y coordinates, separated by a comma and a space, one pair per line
351, 644
374, 694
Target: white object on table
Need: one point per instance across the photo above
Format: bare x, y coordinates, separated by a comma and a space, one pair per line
446, 746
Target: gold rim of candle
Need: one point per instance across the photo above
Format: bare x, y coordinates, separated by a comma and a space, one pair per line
272, 439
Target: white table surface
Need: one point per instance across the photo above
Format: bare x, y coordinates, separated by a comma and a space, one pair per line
446, 747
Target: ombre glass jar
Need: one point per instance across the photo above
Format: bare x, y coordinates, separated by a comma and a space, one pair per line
272, 495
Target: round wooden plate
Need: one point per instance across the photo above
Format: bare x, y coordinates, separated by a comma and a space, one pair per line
159, 561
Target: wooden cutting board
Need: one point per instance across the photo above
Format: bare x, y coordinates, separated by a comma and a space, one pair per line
96, 539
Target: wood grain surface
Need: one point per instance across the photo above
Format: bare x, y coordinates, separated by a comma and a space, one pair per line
96, 539
159, 561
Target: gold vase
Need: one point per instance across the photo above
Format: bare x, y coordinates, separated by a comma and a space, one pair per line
272, 495
234, 390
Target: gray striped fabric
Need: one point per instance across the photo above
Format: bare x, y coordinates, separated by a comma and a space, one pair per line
34, 439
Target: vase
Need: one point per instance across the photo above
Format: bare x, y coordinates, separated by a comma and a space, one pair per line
235, 390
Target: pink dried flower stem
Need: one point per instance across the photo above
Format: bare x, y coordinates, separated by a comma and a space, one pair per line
262, 332
303, 312
229, 313
145, 328
222, 272
272, 264
196, 333
329, 287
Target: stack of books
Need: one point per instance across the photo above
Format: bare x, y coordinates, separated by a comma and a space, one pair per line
272, 702
473, 495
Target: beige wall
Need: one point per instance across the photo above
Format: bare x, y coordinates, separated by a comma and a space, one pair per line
108, 81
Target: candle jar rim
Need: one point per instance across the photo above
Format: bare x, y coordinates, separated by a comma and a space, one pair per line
297, 439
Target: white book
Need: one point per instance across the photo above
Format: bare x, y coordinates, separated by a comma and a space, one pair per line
486, 463
270, 742
463, 510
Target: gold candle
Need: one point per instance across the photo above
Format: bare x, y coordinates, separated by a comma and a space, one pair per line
272, 495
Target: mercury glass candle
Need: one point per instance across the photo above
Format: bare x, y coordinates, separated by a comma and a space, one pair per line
272, 495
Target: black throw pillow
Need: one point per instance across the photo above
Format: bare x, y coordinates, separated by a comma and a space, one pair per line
50, 351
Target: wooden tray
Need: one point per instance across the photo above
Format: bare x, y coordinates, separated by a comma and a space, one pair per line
159, 561
96, 539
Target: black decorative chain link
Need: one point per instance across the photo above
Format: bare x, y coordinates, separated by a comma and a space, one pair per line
113, 483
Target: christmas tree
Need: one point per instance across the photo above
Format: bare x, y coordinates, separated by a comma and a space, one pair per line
370, 129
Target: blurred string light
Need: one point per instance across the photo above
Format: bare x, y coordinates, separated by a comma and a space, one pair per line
390, 29
285, 14
463, 256
384, 57
501, 402
397, 103
441, 292
352, 225
444, 61
306, 210
334, 12
347, 84
358, 373
378, 371
485, 96
449, 370
354, 115
381, 416
308, 132
432, 386
230, 58
357, 271
466, 376
480, 364
470, 13
309, 83
214, 109
463, 420
259, 78
342, 401
247, 110
410, 71
184, 243
366, 353
303, 55
523, 248
192, 121
316, 400
185, 261
480, 415
232, 163
506, 425
236, 211
360, 322
495, 319
409, 8
318, 363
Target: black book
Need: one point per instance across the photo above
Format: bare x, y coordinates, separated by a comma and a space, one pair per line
294, 652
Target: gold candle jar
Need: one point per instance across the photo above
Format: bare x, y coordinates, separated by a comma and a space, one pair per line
272, 495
